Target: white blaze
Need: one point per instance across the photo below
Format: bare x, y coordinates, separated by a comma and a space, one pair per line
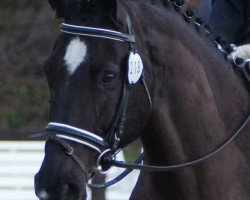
75, 54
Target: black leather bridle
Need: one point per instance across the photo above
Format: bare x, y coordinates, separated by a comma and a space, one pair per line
108, 147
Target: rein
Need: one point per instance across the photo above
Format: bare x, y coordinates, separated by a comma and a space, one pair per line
186, 164
108, 147
54, 131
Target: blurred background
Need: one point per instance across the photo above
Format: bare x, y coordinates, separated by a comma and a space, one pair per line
27, 32
28, 29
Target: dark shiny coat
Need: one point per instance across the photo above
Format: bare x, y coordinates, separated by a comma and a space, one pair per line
197, 102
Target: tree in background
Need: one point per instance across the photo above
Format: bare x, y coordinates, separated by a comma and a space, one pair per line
27, 32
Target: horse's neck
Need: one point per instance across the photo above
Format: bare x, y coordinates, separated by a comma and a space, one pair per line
198, 102
189, 73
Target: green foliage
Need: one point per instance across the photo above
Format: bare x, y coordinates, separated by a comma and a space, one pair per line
26, 37
132, 151
24, 103
14, 118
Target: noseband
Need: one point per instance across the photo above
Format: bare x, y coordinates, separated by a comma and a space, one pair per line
108, 147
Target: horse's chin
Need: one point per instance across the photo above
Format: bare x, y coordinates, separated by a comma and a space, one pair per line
84, 197
66, 194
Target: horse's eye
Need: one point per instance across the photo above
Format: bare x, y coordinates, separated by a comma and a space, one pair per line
108, 77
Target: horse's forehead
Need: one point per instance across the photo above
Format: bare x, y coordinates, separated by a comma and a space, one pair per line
75, 54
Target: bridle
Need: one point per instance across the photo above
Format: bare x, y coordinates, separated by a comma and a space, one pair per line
108, 147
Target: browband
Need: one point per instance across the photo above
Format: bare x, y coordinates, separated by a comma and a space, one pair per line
96, 32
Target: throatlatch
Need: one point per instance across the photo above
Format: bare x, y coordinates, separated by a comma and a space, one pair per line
108, 147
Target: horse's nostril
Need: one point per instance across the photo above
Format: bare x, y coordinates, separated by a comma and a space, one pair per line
65, 189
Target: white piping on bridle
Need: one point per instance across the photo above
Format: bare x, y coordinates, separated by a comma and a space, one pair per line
78, 130
72, 139
76, 140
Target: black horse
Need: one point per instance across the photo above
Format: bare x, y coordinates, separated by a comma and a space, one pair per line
184, 103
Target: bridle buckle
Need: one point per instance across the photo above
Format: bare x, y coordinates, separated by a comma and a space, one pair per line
70, 150
105, 161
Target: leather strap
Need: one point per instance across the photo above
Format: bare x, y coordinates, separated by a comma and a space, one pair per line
71, 152
186, 164
96, 32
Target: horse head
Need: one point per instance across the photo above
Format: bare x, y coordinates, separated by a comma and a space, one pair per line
100, 101
88, 73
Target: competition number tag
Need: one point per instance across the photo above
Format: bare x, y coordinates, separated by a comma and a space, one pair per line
135, 68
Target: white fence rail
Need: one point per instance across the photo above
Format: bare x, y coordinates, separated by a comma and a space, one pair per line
19, 161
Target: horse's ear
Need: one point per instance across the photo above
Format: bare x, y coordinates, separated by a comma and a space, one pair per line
68, 8
65, 8
54, 3
114, 8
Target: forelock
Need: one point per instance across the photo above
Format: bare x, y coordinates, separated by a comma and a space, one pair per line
68, 8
